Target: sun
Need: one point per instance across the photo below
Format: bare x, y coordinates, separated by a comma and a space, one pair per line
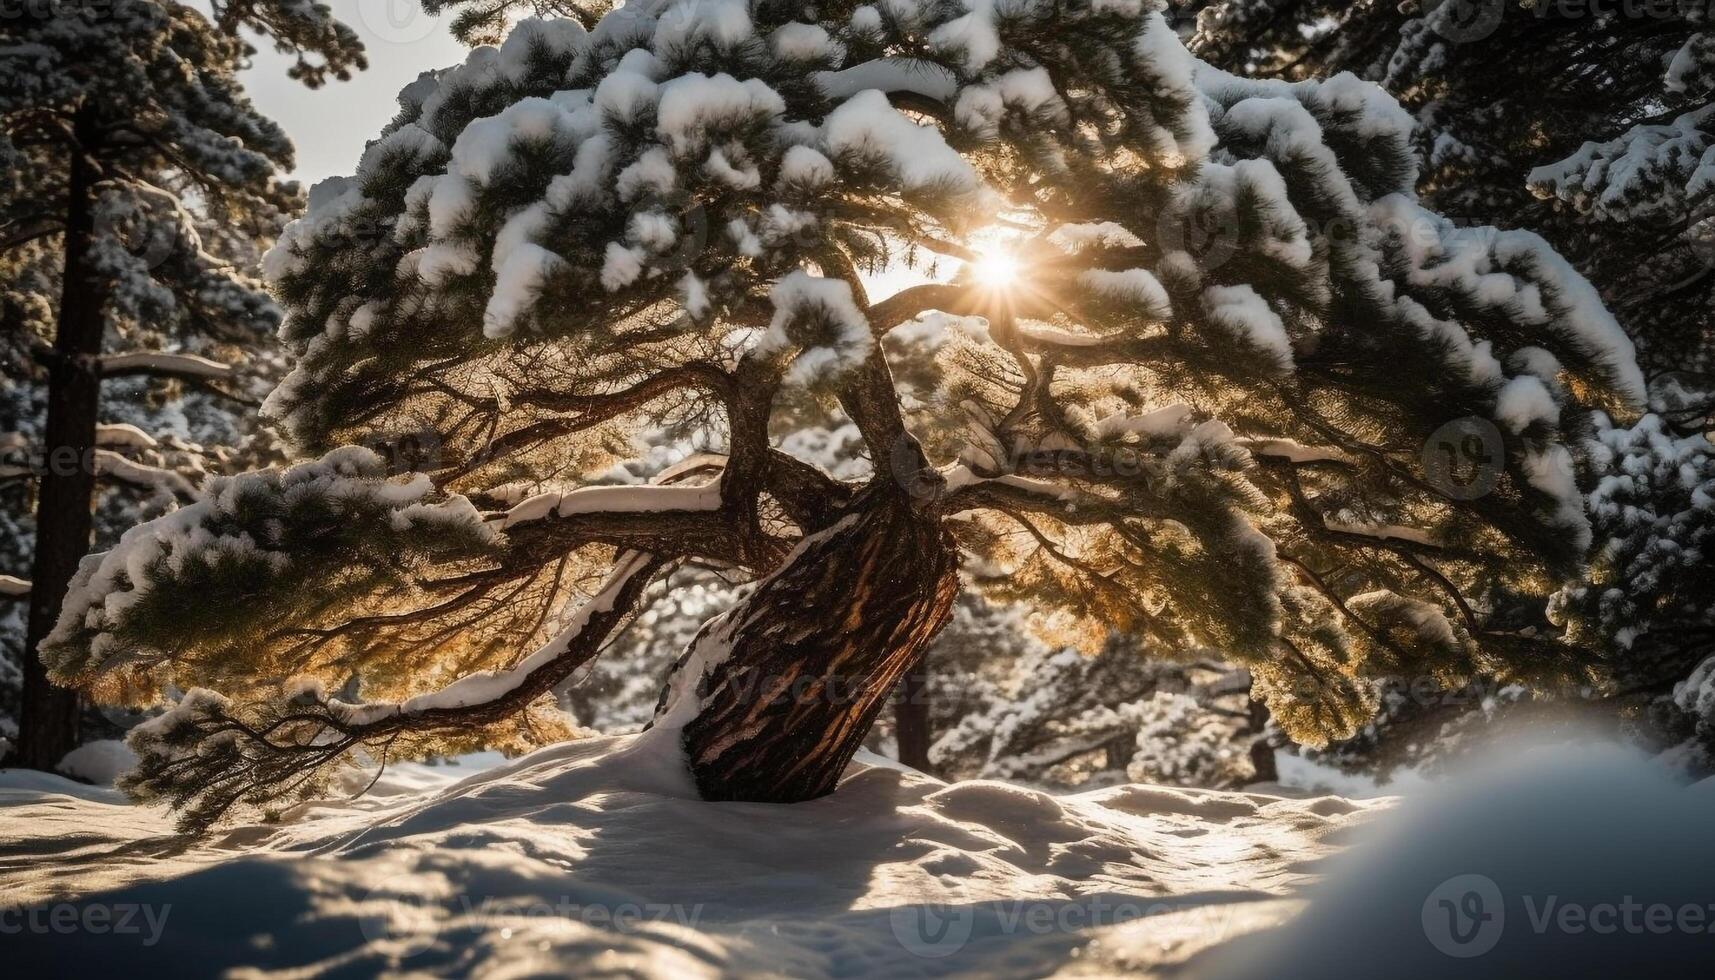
995, 268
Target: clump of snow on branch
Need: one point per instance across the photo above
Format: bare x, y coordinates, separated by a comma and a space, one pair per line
817, 317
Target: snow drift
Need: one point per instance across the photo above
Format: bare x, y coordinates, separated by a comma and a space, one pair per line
1577, 861
594, 858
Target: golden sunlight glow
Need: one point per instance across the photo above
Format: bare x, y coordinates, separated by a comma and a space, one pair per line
996, 268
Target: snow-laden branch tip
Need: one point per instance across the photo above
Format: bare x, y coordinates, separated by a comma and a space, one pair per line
124, 435
614, 500
163, 364
1296, 452
692, 464
1384, 532
1044, 336
110, 464
12, 587
960, 476
890, 75
489, 686
114, 435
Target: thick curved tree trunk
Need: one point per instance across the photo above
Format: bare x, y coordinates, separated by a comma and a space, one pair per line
774, 697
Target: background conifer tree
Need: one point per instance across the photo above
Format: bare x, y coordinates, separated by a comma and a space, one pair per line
1591, 124
130, 164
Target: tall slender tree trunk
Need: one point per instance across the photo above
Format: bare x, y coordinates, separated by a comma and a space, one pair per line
48, 722
1261, 751
911, 716
773, 698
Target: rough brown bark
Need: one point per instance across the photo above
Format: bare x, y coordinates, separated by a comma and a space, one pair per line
48, 719
797, 673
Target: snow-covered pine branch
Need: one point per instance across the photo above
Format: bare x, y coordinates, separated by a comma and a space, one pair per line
613, 500
1649, 583
124, 435
164, 365
336, 523
154, 478
123, 452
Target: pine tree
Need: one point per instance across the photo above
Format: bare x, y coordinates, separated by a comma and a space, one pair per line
1650, 596
1011, 707
1206, 341
115, 115
1588, 123
159, 439
1595, 125
1651, 187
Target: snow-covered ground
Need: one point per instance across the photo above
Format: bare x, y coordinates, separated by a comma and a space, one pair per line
593, 858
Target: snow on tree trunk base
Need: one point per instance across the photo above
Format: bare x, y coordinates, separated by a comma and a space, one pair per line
783, 688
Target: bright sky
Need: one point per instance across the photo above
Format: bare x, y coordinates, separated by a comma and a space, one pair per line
330, 125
